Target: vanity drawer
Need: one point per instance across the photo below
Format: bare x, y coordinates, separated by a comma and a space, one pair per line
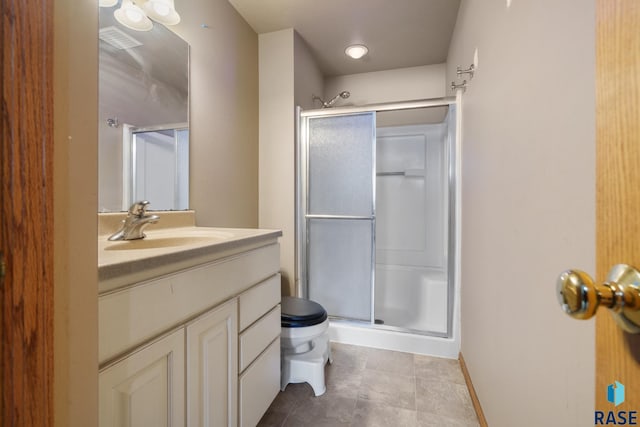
258, 300
259, 385
257, 337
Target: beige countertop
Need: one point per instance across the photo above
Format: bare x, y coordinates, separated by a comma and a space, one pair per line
166, 250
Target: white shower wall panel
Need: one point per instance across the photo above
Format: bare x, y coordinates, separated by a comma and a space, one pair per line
411, 210
411, 227
411, 297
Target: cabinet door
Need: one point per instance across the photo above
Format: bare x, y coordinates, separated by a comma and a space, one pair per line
147, 387
212, 368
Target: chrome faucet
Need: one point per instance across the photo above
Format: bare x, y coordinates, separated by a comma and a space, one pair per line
136, 221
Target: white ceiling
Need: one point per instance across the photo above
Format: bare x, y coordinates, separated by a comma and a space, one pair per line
398, 33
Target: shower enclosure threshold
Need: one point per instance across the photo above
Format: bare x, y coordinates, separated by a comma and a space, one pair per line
388, 338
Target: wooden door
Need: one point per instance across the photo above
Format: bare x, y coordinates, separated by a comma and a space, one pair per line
26, 205
618, 185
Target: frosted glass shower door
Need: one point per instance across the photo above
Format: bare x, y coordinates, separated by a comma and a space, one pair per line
340, 213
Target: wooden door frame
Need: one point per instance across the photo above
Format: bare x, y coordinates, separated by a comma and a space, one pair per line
618, 181
26, 214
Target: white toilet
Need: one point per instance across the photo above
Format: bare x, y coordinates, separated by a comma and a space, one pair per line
304, 342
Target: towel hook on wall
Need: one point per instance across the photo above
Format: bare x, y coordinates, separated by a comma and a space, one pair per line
113, 122
471, 70
462, 85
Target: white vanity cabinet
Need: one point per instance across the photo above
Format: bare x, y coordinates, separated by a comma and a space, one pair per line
195, 347
259, 350
212, 363
147, 387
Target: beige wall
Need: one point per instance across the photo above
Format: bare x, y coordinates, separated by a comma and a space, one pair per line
289, 76
223, 113
75, 206
308, 79
277, 129
402, 84
528, 198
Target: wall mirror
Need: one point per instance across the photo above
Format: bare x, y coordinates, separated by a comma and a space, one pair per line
143, 116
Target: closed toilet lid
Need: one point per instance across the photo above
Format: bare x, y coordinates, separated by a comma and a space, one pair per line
299, 312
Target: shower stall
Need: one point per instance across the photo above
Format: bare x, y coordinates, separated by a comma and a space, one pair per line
376, 222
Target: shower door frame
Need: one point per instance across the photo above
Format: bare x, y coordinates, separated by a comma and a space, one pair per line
302, 216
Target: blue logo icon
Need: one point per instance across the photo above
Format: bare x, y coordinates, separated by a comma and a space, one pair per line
615, 393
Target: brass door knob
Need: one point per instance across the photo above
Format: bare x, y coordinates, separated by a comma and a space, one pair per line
580, 297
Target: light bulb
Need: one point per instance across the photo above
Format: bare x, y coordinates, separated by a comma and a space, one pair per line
131, 16
161, 9
107, 3
134, 14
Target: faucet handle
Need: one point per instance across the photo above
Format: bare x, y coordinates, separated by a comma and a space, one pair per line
139, 209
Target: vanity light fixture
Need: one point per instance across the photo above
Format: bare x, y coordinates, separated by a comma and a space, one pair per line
131, 16
135, 14
356, 51
162, 11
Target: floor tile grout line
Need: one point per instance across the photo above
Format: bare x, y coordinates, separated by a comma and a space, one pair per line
286, 418
355, 406
364, 358
294, 407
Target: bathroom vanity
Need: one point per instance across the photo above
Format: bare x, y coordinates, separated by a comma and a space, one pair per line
189, 322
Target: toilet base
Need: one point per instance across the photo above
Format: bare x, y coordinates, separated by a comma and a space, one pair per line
307, 367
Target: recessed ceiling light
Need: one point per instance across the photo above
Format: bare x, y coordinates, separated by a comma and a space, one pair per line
356, 51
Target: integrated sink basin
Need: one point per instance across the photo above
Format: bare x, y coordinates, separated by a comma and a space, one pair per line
155, 242
172, 244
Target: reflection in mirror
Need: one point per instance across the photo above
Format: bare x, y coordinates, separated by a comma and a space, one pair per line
157, 167
143, 121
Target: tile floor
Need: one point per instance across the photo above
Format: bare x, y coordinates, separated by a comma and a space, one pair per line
371, 387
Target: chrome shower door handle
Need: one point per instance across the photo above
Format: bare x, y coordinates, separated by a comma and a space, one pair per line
580, 297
